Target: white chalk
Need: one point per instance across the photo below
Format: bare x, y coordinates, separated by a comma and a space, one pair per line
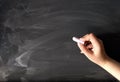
77, 40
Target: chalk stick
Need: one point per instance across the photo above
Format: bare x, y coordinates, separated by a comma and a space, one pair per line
77, 40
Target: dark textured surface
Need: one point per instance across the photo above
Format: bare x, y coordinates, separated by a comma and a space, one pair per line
35, 38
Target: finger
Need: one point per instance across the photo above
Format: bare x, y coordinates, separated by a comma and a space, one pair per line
93, 38
90, 46
84, 49
81, 52
100, 41
85, 38
89, 37
101, 44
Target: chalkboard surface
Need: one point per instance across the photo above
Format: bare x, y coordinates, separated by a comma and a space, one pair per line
36, 38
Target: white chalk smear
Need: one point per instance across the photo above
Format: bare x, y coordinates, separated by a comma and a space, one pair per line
77, 40
23, 59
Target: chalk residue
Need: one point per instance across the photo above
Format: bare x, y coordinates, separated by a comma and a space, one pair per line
23, 59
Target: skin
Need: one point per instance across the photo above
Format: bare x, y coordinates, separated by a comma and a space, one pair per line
95, 52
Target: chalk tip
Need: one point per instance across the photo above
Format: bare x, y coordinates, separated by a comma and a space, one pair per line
74, 39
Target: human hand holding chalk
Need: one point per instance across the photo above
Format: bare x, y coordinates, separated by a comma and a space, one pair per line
93, 49
86, 43
77, 40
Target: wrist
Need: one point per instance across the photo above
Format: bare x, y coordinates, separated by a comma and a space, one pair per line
106, 60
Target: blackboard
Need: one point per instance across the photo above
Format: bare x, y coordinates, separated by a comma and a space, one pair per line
36, 38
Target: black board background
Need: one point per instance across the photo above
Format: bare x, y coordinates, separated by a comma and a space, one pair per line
36, 44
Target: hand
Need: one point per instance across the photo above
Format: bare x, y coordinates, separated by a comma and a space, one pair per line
94, 51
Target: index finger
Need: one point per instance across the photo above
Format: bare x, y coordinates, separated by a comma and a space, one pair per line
89, 37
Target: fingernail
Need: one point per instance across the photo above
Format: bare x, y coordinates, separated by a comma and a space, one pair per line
81, 52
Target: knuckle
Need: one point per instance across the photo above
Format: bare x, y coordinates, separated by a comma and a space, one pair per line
100, 40
91, 34
85, 36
